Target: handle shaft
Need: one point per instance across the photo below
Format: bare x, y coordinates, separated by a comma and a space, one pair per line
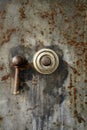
16, 81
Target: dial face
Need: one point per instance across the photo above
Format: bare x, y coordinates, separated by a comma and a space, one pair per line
45, 61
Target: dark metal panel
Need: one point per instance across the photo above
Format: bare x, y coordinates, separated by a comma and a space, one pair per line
47, 102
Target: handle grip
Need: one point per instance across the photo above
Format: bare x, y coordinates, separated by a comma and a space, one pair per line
16, 81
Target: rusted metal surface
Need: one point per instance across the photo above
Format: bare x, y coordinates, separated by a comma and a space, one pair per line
47, 102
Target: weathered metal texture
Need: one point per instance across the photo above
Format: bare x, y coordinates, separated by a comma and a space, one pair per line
47, 102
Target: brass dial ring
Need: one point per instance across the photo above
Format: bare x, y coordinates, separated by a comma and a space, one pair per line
50, 64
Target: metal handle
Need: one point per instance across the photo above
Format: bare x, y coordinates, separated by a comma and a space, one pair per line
16, 81
17, 62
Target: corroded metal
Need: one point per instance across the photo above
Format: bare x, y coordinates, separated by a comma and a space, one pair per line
47, 102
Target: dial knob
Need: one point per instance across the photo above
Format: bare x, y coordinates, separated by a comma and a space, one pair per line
45, 61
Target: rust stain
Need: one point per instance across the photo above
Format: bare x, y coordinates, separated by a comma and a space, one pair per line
70, 93
79, 118
85, 102
1, 118
75, 113
61, 11
5, 77
71, 85
7, 35
78, 62
22, 13
75, 92
46, 14
77, 44
78, 14
2, 14
51, 21
82, 34
75, 97
81, 6
75, 71
66, 19
1, 68
51, 18
1, 27
85, 80
22, 40
70, 90
42, 32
